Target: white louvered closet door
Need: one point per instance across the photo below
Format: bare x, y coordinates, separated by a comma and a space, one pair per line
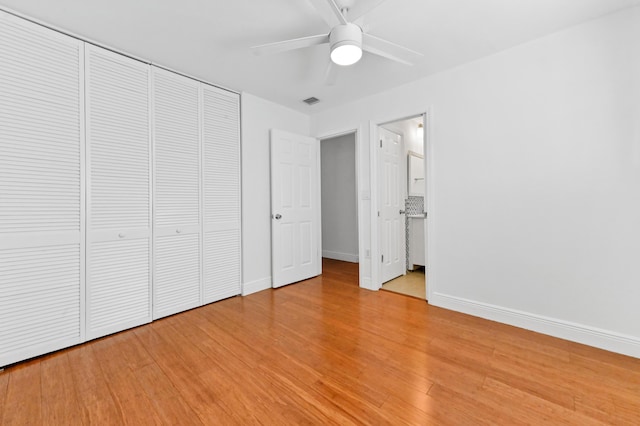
176, 134
119, 197
221, 193
41, 201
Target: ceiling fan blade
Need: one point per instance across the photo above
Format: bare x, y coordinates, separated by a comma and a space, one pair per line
329, 11
386, 49
331, 74
296, 43
361, 8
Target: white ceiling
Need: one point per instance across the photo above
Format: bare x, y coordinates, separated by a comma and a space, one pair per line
210, 39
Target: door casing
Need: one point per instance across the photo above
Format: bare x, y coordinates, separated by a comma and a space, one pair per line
430, 237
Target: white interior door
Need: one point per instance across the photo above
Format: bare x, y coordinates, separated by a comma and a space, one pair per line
176, 239
221, 193
118, 193
392, 226
295, 208
41, 190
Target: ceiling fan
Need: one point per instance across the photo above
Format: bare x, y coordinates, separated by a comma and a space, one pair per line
347, 40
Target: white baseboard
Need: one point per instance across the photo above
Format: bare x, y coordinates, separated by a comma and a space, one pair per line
603, 339
256, 286
336, 255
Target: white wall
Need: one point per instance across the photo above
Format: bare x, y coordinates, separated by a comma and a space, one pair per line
339, 201
408, 130
536, 189
413, 142
259, 116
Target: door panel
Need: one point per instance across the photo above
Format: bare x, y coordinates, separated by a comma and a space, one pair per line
41, 191
222, 264
221, 193
392, 226
177, 274
177, 230
119, 197
119, 286
295, 207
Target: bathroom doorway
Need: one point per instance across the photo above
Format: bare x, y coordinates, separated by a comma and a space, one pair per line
401, 206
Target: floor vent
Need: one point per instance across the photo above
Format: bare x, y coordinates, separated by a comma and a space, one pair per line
311, 101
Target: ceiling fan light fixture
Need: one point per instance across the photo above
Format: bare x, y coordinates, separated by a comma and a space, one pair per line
346, 44
346, 54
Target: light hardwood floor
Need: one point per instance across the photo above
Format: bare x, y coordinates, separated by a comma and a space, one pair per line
324, 352
411, 284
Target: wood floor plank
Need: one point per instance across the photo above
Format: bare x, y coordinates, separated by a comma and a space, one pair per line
183, 364
23, 404
299, 400
60, 403
4, 383
532, 378
169, 405
324, 351
92, 389
277, 366
412, 409
127, 393
533, 408
465, 407
134, 353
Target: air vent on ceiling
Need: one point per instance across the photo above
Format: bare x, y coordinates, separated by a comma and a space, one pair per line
311, 101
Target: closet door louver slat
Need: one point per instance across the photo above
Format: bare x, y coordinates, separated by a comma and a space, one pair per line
119, 201
176, 135
41, 201
221, 192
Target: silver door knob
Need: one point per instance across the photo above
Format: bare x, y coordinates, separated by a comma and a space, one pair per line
278, 216
121, 235
178, 231
401, 211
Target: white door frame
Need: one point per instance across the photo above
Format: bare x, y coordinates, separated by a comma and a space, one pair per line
429, 239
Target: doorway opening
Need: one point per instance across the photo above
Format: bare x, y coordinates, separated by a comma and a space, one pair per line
339, 200
402, 230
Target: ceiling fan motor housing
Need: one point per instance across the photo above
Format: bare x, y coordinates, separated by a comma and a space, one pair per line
345, 35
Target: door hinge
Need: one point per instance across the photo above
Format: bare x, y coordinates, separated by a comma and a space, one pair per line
378, 213
380, 143
382, 258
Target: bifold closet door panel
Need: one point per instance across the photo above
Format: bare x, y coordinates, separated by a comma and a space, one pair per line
119, 192
221, 179
41, 190
176, 139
